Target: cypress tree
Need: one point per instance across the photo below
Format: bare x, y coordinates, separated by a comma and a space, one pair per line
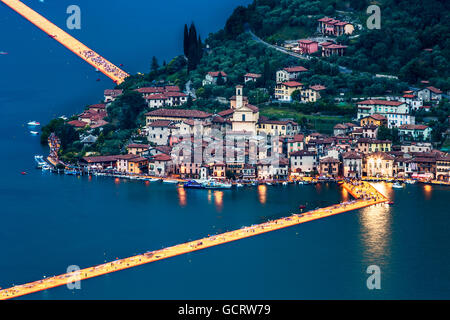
155, 65
186, 40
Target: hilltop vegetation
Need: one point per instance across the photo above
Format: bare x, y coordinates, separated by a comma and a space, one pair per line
407, 28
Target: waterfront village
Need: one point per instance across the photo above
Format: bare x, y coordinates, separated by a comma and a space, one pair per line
353, 150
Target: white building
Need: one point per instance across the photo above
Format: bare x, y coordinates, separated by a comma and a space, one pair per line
289, 74
303, 162
397, 113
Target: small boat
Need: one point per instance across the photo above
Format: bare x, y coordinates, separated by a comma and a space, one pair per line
192, 184
98, 79
40, 161
239, 185
302, 182
33, 123
96, 70
34, 133
52, 36
3, 53
411, 181
397, 185
46, 167
153, 179
301, 207
23, 173
212, 184
391, 203
268, 183
63, 117
170, 181
284, 183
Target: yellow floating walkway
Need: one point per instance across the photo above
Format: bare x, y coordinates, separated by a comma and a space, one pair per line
85, 53
363, 191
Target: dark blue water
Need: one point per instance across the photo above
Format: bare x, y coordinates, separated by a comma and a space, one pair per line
48, 222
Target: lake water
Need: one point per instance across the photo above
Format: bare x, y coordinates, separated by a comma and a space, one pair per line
48, 222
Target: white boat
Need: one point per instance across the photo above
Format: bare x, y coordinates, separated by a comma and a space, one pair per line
397, 185
33, 123
268, 183
63, 117
212, 184
239, 185
45, 167
284, 183
411, 181
170, 181
40, 161
34, 133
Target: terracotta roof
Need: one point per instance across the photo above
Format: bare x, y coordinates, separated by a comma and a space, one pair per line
381, 102
413, 127
292, 84
306, 41
318, 87
176, 94
434, 90
225, 113
77, 123
341, 126
216, 74
178, 113
252, 75
151, 90
157, 96
377, 116
296, 69
329, 160
351, 155
160, 123
172, 88
297, 138
162, 157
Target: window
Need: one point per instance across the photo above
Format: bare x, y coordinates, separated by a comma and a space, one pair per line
243, 117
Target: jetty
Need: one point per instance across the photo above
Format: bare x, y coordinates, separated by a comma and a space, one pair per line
364, 193
53, 31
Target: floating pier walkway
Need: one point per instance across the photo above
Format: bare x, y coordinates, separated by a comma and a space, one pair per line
365, 194
85, 53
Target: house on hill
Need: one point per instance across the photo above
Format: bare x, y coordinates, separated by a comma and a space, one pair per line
211, 77
289, 74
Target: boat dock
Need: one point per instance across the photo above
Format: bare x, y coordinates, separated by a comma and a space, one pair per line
365, 194
53, 31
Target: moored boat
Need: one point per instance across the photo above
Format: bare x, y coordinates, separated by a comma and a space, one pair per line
192, 184
170, 181
33, 123
212, 184
397, 185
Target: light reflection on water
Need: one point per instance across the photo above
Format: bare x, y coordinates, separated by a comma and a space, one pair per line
375, 226
218, 200
427, 191
182, 196
262, 193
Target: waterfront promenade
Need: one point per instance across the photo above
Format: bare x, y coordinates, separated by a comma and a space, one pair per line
364, 192
85, 53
